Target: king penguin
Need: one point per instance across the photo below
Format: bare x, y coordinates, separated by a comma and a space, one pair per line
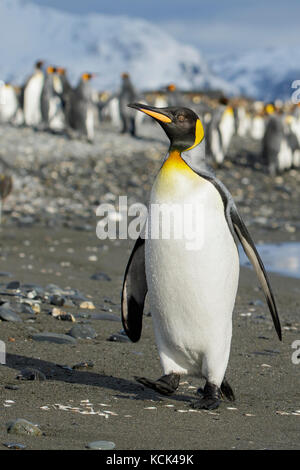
81, 116
220, 131
191, 288
32, 92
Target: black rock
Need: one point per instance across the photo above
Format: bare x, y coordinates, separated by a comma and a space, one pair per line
57, 300
13, 285
100, 277
6, 314
119, 337
14, 445
31, 374
82, 332
54, 338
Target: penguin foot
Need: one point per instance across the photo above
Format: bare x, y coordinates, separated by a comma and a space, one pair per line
165, 385
210, 398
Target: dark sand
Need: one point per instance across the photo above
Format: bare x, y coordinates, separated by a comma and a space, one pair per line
260, 369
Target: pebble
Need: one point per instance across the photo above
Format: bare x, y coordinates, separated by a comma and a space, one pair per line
13, 285
14, 445
120, 337
31, 374
57, 300
6, 314
101, 445
62, 315
82, 332
87, 304
100, 277
23, 427
11, 387
54, 338
83, 365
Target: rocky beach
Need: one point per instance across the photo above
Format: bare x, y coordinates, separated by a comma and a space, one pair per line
69, 367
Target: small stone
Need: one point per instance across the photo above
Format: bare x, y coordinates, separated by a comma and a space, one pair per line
54, 338
6, 314
83, 365
13, 285
100, 277
119, 338
31, 374
14, 445
57, 300
87, 305
82, 332
101, 445
23, 427
62, 315
11, 387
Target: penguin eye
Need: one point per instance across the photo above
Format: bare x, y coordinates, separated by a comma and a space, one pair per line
181, 118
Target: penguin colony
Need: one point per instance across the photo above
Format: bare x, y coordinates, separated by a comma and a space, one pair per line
47, 101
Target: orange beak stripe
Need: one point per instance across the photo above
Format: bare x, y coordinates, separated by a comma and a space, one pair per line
160, 117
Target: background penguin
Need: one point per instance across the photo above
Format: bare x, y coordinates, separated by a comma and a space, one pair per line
191, 289
127, 95
276, 151
220, 131
65, 92
292, 125
51, 104
81, 116
173, 96
9, 103
31, 97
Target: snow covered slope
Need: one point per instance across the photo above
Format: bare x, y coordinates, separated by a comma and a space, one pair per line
107, 45
264, 74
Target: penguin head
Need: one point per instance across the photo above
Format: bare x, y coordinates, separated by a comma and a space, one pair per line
61, 70
39, 64
182, 125
86, 77
51, 70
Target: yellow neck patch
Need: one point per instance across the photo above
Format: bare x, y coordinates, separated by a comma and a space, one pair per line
175, 174
199, 134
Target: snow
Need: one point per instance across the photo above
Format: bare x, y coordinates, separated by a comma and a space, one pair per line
107, 45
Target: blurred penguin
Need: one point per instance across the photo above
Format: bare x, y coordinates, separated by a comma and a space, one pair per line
174, 97
9, 103
220, 131
65, 87
81, 116
292, 126
276, 151
51, 104
31, 98
128, 94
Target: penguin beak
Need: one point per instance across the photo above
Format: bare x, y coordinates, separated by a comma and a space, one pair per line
159, 114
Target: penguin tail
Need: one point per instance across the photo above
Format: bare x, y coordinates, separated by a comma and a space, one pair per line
227, 390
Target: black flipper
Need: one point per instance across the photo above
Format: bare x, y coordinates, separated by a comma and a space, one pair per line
250, 250
134, 292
